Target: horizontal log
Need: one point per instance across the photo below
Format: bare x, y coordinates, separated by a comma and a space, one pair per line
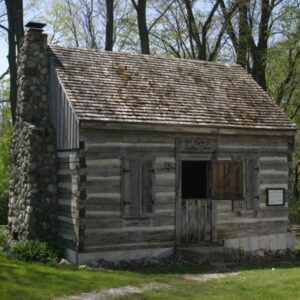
102, 214
160, 220
163, 206
163, 179
103, 163
273, 212
278, 159
115, 222
130, 246
273, 176
165, 212
102, 208
103, 200
103, 187
270, 185
245, 229
115, 238
94, 171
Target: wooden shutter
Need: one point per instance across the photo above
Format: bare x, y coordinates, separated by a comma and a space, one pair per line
252, 183
130, 187
147, 174
226, 180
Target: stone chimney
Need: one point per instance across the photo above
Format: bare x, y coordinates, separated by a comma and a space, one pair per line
33, 201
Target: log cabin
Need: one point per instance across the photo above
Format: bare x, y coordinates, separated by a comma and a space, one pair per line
147, 155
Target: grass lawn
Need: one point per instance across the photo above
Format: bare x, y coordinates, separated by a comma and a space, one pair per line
20, 280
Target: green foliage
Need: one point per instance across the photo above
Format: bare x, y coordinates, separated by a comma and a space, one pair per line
283, 64
296, 211
5, 134
3, 236
36, 251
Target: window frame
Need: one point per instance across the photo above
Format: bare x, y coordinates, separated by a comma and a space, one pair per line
209, 179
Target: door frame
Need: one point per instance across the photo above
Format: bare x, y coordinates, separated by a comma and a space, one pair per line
178, 214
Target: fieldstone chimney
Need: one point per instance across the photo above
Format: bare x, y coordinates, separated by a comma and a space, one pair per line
32, 197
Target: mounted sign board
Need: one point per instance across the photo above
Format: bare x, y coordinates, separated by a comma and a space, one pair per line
195, 144
275, 197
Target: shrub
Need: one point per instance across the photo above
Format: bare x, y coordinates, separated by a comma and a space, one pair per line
35, 250
5, 134
3, 202
296, 211
3, 236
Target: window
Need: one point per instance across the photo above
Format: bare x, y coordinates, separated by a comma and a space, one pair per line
194, 179
216, 180
137, 187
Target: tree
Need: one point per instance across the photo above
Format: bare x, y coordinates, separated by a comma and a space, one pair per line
199, 36
140, 8
109, 36
5, 133
250, 40
15, 31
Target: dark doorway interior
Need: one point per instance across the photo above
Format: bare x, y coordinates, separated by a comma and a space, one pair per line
194, 179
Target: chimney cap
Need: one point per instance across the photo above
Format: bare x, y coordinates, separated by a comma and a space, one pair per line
35, 26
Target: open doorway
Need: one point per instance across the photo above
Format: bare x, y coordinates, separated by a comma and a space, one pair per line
194, 180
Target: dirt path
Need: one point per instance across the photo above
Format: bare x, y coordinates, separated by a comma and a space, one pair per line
120, 291
210, 276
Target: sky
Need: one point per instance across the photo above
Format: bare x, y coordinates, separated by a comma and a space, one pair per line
3, 54
29, 14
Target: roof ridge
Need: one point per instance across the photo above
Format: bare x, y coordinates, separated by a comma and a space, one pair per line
150, 56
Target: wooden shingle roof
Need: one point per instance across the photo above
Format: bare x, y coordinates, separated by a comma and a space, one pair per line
135, 88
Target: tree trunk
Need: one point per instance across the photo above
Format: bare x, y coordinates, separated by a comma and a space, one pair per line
19, 26
142, 25
193, 30
243, 33
15, 36
109, 37
260, 52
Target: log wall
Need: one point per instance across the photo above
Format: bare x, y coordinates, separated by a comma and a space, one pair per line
93, 217
105, 228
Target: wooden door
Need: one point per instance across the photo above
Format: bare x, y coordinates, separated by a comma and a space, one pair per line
196, 221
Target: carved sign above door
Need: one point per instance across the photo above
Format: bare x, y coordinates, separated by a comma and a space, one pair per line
193, 144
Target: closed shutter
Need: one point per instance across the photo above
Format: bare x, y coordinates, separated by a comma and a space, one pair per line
252, 183
147, 174
130, 187
226, 180
137, 187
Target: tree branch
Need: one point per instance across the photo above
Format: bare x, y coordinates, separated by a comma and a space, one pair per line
160, 16
3, 27
4, 74
134, 4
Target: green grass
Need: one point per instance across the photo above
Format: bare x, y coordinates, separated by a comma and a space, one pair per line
20, 280
262, 283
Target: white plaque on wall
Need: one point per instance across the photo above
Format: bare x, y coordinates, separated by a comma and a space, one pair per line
275, 197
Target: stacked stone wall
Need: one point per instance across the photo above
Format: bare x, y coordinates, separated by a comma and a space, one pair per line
33, 182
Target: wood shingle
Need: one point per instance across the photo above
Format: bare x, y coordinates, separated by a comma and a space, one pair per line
135, 88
